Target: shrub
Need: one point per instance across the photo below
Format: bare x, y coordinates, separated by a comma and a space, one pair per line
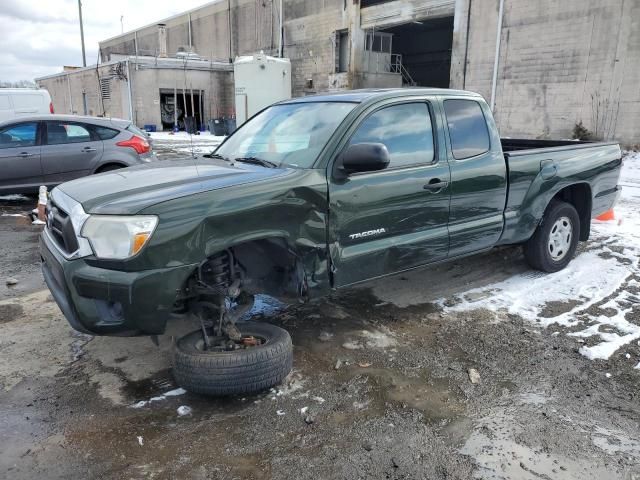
580, 132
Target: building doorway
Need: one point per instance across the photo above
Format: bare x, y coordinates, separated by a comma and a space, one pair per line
173, 108
424, 50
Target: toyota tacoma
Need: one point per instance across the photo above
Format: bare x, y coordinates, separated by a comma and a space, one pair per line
310, 195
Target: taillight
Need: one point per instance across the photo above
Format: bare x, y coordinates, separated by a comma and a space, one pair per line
139, 144
51, 107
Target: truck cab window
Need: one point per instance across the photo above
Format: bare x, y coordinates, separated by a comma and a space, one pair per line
404, 129
467, 128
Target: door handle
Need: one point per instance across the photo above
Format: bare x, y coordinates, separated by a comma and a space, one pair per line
88, 149
435, 185
25, 154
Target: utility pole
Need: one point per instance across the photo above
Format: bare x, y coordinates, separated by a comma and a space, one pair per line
280, 43
229, 29
84, 56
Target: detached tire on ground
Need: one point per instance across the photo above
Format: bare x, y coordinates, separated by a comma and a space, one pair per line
233, 372
554, 242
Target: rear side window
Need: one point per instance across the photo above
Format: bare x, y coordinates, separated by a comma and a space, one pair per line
136, 131
105, 133
404, 129
61, 132
20, 135
467, 128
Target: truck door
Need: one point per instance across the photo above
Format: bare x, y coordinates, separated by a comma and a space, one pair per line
394, 219
478, 176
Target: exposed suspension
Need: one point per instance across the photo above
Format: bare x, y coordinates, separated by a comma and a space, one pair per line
220, 299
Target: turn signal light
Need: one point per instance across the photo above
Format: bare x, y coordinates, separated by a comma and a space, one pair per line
138, 242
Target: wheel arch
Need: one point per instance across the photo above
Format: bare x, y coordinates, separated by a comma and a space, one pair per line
110, 165
578, 195
271, 265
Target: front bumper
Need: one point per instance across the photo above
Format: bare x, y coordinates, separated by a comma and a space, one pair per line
99, 301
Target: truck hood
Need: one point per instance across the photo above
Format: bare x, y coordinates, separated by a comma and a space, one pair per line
130, 190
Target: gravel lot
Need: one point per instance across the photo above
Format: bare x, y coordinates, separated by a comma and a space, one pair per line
476, 368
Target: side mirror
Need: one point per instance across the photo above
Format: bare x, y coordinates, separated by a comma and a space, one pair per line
364, 157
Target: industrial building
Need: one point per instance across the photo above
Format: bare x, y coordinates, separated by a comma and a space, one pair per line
543, 66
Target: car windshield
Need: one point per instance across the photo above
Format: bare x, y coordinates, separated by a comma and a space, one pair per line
289, 134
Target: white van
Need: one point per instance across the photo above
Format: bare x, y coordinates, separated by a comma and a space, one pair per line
19, 102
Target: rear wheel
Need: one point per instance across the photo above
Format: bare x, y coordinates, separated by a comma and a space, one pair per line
262, 358
554, 242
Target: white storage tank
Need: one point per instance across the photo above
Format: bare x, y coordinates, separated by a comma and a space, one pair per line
260, 80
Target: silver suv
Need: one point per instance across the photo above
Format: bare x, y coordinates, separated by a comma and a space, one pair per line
51, 149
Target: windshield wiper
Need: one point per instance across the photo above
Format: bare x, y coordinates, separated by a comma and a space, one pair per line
217, 156
256, 161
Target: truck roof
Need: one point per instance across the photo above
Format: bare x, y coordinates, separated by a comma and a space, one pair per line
359, 96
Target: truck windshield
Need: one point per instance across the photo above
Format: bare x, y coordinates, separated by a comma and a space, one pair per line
290, 134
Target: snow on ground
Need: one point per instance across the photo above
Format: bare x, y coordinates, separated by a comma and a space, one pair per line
164, 396
12, 198
184, 143
605, 271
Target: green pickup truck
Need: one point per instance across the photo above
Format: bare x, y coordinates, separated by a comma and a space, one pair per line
310, 195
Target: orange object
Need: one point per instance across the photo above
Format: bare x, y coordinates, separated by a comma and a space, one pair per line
608, 215
138, 242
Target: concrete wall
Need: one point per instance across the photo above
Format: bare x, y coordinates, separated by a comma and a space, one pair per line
560, 63
67, 90
146, 82
308, 35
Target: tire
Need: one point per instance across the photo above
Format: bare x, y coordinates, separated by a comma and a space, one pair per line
234, 372
554, 242
109, 168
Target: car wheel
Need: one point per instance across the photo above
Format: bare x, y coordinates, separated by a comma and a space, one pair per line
261, 359
554, 242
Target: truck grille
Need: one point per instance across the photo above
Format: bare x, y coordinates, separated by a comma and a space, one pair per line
61, 229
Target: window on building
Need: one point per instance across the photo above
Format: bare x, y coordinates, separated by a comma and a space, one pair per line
378, 42
60, 132
20, 135
405, 130
467, 128
342, 51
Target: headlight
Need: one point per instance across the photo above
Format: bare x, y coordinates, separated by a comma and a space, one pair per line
118, 237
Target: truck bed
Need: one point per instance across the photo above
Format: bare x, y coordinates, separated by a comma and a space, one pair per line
535, 166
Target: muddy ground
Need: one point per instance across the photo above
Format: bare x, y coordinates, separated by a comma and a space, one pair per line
381, 388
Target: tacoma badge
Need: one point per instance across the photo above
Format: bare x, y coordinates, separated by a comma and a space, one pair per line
368, 233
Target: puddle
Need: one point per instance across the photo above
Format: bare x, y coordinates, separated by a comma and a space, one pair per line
614, 442
434, 397
10, 312
496, 444
533, 398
